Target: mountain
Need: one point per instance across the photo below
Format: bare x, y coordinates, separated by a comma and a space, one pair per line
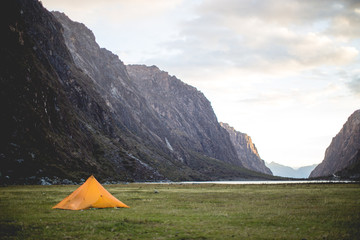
285, 171
342, 157
155, 106
54, 122
71, 109
246, 150
185, 113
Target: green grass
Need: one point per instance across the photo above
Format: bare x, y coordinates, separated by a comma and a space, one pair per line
209, 211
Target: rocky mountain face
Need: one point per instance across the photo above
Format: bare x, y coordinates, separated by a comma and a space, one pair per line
186, 114
285, 171
246, 150
71, 109
343, 155
155, 106
54, 122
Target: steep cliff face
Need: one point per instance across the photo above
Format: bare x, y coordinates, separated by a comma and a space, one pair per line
110, 77
171, 114
246, 150
53, 121
157, 107
70, 109
186, 114
343, 152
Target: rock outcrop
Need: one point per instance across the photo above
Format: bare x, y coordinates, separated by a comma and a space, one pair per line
246, 150
343, 153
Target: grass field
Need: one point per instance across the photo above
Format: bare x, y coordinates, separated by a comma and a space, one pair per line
206, 211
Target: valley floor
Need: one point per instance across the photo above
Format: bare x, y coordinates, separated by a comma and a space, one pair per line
191, 211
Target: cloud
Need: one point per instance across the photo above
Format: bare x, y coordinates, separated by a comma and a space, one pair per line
354, 85
226, 39
312, 50
275, 37
283, 12
346, 27
294, 97
120, 11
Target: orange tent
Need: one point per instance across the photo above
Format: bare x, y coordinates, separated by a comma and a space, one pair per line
90, 195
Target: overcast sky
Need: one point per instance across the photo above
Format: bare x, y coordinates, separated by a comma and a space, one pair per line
286, 72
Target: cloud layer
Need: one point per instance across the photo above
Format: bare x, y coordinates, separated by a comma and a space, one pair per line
273, 36
118, 11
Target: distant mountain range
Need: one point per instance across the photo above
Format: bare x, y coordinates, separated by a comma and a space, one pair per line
285, 171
